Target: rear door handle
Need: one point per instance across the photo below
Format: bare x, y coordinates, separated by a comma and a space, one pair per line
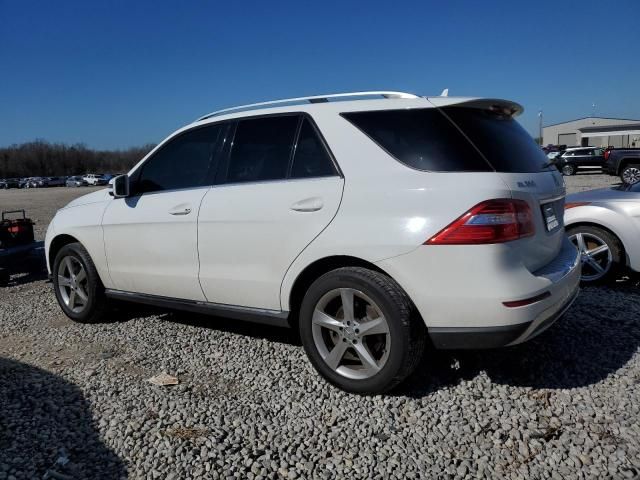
312, 204
180, 211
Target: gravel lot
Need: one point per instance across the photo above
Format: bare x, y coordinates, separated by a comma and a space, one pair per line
75, 403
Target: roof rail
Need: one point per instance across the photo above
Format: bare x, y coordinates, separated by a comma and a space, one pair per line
314, 99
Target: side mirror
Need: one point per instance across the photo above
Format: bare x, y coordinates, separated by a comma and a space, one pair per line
120, 186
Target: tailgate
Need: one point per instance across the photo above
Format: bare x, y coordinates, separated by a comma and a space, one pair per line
544, 192
490, 126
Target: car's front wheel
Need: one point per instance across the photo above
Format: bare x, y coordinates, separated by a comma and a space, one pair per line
601, 253
360, 330
78, 287
630, 174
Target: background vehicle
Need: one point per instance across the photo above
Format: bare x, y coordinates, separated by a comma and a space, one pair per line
9, 183
76, 181
95, 179
605, 226
574, 158
552, 151
345, 219
56, 181
624, 162
34, 182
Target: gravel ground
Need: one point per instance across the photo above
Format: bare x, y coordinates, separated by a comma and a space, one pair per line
75, 403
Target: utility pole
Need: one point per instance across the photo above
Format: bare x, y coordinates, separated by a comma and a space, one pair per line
540, 126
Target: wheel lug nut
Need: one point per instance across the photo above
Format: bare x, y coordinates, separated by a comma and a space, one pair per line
357, 330
344, 339
355, 341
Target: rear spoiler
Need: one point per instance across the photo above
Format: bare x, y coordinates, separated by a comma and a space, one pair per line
505, 107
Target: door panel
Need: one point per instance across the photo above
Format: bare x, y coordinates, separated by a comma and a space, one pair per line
249, 234
151, 237
151, 243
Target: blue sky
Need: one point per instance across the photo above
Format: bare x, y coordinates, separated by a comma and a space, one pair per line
114, 74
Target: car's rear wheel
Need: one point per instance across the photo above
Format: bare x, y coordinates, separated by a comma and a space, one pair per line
360, 330
77, 285
569, 170
601, 253
630, 174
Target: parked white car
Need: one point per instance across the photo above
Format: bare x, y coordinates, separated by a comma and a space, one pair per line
371, 224
95, 179
604, 224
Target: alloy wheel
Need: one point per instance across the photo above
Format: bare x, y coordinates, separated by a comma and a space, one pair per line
72, 284
351, 333
595, 255
631, 175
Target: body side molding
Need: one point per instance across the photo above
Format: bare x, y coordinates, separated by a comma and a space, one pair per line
256, 315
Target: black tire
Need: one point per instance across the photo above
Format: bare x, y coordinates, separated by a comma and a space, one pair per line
407, 331
617, 265
98, 304
568, 170
630, 174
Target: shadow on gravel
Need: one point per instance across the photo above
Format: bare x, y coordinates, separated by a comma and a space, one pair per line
32, 268
46, 429
238, 327
592, 341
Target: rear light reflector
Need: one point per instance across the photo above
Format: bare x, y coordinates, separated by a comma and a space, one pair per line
569, 205
493, 221
527, 301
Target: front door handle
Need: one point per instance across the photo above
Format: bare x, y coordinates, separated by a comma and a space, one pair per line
312, 204
180, 211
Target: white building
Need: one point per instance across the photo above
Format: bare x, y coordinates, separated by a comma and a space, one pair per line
593, 131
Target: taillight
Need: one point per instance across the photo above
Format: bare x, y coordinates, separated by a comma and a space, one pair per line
492, 221
606, 154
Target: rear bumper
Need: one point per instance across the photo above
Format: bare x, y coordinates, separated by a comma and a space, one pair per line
461, 297
496, 337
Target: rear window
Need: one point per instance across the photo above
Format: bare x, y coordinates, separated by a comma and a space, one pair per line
431, 139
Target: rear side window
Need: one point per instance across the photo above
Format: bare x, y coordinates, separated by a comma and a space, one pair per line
311, 158
431, 139
262, 149
423, 139
501, 139
182, 163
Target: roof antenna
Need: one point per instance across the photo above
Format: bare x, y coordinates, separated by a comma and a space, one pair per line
445, 93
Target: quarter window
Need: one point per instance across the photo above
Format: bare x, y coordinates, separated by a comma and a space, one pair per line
422, 139
262, 149
182, 163
311, 158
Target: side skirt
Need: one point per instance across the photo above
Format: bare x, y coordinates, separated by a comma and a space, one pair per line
256, 315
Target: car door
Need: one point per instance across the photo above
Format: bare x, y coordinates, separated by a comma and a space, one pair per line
588, 158
279, 188
151, 236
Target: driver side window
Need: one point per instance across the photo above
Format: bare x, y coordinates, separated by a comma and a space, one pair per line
184, 162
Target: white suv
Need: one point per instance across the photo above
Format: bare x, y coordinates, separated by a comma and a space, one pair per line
373, 225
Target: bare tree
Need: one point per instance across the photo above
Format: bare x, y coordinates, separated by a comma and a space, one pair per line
41, 158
